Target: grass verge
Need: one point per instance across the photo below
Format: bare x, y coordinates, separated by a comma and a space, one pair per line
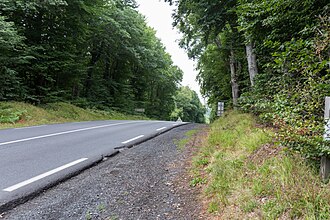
183, 142
18, 114
246, 176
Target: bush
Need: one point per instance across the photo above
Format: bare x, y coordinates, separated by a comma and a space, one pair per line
297, 82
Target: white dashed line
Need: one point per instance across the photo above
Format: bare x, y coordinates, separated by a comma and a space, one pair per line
61, 133
159, 129
133, 139
30, 127
41, 176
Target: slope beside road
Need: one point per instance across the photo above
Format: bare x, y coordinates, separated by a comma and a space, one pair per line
139, 183
35, 158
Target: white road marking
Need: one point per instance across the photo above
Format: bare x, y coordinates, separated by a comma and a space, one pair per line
41, 176
30, 127
159, 129
61, 133
133, 139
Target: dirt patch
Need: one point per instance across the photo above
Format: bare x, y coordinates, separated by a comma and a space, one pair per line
182, 183
264, 153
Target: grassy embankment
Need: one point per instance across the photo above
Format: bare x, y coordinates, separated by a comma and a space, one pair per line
18, 114
246, 176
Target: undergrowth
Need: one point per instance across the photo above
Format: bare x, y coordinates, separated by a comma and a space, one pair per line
182, 142
246, 176
18, 114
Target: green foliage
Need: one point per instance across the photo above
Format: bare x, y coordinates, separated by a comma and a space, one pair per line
291, 41
188, 106
297, 82
19, 114
95, 53
197, 181
214, 75
181, 144
11, 55
210, 34
10, 115
248, 177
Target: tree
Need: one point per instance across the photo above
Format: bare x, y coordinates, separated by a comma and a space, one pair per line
188, 106
203, 23
95, 53
289, 42
11, 47
293, 79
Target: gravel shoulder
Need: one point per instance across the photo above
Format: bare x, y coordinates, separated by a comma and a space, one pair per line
148, 181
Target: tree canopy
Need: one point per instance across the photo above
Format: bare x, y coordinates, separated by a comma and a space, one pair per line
93, 53
188, 106
267, 57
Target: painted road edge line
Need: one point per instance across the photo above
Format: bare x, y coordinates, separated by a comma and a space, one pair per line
41, 176
64, 132
133, 139
38, 126
159, 129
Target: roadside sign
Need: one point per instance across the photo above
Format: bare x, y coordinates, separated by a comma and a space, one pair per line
140, 110
327, 119
325, 160
221, 108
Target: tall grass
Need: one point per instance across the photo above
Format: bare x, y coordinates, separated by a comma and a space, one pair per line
18, 114
246, 176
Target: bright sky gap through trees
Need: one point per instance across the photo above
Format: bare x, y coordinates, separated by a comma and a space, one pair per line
158, 16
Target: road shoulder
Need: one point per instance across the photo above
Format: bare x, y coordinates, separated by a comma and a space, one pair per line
144, 182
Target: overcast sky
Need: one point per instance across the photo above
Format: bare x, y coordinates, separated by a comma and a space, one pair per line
158, 15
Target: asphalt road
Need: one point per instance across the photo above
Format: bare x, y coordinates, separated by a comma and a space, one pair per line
35, 158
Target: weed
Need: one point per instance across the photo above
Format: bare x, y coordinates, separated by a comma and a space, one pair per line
101, 207
246, 171
197, 181
249, 206
183, 142
213, 207
88, 215
191, 133
18, 114
202, 161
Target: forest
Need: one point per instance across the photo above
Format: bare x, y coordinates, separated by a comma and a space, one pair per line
92, 53
267, 57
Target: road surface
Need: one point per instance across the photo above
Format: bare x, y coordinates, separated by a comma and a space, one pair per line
35, 158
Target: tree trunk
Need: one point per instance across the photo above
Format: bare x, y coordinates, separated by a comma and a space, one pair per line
106, 74
252, 62
233, 77
88, 80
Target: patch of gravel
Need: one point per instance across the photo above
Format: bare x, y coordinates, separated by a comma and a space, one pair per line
148, 181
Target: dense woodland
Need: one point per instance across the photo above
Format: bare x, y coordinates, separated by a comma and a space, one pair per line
269, 57
93, 53
266, 57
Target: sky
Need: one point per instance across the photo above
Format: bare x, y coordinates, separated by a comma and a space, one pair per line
158, 16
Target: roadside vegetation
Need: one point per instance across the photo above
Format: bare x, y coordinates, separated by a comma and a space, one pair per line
245, 174
92, 53
18, 114
270, 59
183, 142
266, 57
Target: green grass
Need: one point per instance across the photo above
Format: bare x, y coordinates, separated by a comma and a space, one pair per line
183, 142
18, 114
197, 180
248, 177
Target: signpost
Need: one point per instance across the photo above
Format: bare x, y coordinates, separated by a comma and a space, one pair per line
140, 110
221, 108
325, 160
